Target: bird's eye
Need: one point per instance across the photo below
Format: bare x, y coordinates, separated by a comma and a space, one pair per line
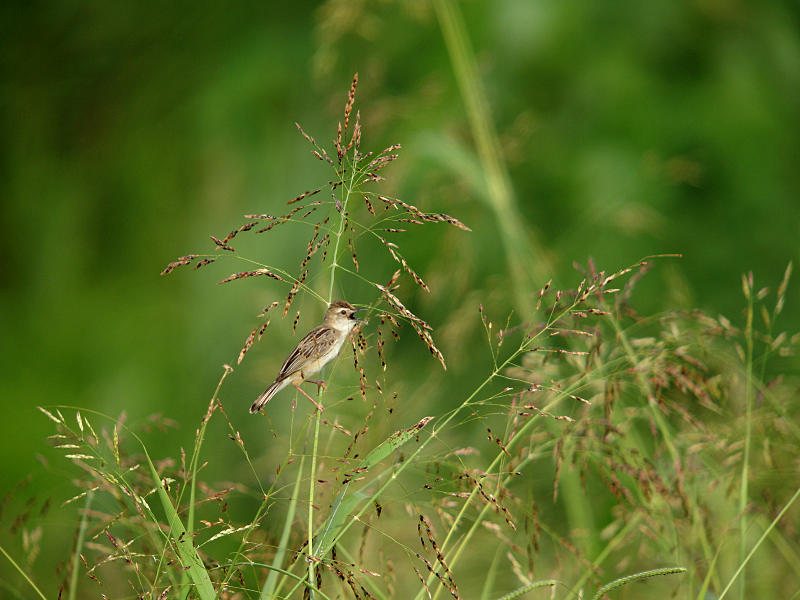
344, 312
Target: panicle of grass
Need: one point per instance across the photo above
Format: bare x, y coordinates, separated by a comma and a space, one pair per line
449, 583
181, 261
304, 195
245, 274
348, 107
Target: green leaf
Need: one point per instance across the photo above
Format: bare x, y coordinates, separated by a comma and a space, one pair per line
345, 504
187, 553
526, 588
636, 577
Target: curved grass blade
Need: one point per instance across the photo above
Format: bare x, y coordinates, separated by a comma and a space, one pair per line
636, 577
268, 590
73, 578
526, 588
344, 505
23, 573
186, 551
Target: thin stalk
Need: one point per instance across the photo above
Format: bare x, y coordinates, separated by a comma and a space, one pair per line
193, 465
334, 264
612, 543
748, 398
73, 577
312, 478
23, 573
525, 258
272, 578
764, 535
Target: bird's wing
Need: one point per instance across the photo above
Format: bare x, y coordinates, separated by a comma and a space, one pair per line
317, 342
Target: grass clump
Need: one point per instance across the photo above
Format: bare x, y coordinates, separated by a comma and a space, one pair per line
599, 448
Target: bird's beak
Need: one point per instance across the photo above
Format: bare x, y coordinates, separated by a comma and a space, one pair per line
353, 316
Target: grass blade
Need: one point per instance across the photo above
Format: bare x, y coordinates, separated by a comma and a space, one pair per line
750, 554
345, 504
23, 573
617, 583
186, 551
73, 578
272, 578
526, 588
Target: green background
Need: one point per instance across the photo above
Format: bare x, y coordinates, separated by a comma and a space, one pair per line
132, 132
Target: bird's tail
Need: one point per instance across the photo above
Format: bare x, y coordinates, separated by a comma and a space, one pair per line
267, 395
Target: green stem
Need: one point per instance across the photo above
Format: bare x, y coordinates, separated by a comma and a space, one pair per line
23, 573
73, 577
743, 490
269, 585
525, 259
347, 190
764, 535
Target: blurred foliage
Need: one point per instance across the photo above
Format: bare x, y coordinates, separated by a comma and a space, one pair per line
129, 134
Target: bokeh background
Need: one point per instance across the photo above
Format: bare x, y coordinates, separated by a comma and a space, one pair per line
130, 133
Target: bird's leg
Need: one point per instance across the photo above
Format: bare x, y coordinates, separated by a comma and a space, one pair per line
318, 383
314, 402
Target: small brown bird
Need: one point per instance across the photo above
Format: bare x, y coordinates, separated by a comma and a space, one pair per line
314, 351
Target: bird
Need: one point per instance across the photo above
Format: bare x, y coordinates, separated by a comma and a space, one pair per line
314, 351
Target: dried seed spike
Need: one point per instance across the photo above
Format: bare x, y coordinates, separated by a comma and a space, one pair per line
395, 303
353, 250
356, 139
294, 323
388, 201
305, 194
380, 343
290, 296
369, 205
338, 143
245, 274
304, 134
454, 222
351, 97
181, 261
203, 263
248, 342
417, 279
424, 582
50, 415
268, 308
393, 280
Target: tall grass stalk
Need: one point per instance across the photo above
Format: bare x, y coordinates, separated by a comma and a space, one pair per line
268, 589
25, 576
527, 261
73, 576
740, 569
747, 286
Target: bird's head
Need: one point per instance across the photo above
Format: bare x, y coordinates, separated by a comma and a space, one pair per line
341, 315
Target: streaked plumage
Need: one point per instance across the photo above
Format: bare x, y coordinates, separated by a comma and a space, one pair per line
314, 351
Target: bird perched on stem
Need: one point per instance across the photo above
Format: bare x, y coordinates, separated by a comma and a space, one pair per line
314, 351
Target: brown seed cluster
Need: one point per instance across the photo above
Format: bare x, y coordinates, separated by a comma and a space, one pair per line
445, 579
181, 261
246, 274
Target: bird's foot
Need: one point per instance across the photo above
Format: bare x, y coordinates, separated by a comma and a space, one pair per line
319, 406
319, 383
